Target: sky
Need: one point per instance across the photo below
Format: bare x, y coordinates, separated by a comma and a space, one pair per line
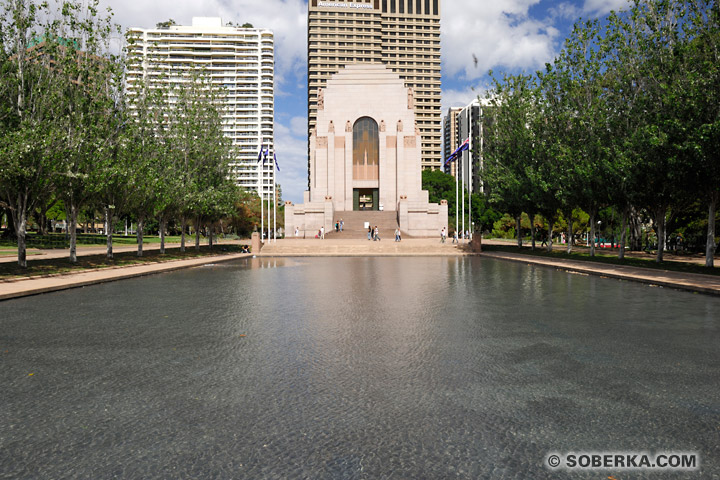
503, 35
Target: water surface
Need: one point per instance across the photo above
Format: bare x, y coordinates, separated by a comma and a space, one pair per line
398, 368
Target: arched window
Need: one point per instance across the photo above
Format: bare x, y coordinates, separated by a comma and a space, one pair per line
366, 149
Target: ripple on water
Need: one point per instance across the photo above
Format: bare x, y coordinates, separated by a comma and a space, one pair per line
353, 368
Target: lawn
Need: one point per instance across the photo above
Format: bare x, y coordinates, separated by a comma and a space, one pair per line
60, 266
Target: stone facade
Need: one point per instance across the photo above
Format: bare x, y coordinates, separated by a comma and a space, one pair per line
375, 99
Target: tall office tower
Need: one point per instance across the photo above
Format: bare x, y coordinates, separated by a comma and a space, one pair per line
239, 60
404, 35
471, 121
450, 138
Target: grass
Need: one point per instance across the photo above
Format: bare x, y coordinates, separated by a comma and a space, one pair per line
581, 254
61, 266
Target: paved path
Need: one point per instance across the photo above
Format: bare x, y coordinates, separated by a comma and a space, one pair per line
33, 286
82, 250
685, 281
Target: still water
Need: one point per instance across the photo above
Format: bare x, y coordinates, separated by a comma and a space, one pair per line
398, 368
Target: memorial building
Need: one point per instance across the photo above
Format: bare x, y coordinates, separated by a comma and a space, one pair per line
365, 155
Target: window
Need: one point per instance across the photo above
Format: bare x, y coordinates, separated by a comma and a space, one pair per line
366, 149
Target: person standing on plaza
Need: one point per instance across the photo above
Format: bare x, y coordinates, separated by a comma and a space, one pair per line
455, 236
297, 232
369, 232
322, 232
337, 226
342, 224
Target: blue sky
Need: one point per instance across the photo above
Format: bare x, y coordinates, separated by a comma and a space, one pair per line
504, 35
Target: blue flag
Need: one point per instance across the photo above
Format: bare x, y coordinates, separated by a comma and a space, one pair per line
276, 163
453, 156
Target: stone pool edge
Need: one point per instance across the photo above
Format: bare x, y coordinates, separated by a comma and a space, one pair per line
36, 286
692, 282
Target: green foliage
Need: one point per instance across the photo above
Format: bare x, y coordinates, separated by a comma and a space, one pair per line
623, 122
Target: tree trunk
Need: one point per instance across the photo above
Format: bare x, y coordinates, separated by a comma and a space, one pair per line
163, 223
592, 234
660, 219
210, 237
182, 235
551, 224
518, 230
72, 229
710, 244
623, 234
532, 230
197, 234
20, 224
140, 227
569, 236
42, 224
108, 233
635, 230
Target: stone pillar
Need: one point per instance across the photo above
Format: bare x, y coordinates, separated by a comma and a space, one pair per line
255, 244
290, 222
329, 213
403, 214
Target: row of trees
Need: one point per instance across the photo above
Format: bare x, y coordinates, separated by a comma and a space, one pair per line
627, 116
70, 131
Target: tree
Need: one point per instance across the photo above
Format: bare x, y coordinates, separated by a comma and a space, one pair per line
89, 76
30, 96
702, 67
509, 149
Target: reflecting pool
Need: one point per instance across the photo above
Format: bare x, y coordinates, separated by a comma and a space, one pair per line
325, 368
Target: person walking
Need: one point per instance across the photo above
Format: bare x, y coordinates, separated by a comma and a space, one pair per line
322, 232
342, 224
369, 232
397, 234
377, 233
442, 235
455, 236
297, 232
337, 226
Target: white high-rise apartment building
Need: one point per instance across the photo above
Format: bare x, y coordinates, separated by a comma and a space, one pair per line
240, 60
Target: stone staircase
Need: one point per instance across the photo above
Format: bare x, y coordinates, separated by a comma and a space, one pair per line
361, 247
355, 225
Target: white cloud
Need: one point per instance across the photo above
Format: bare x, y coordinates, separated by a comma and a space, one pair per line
460, 97
498, 33
504, 35
602, 7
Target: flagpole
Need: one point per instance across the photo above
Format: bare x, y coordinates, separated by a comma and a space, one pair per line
462, 161
268, 211
470, 170
457, 197
274, 198
262, 195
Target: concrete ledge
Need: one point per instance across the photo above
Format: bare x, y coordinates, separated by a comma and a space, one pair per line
693, 282
35, 286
